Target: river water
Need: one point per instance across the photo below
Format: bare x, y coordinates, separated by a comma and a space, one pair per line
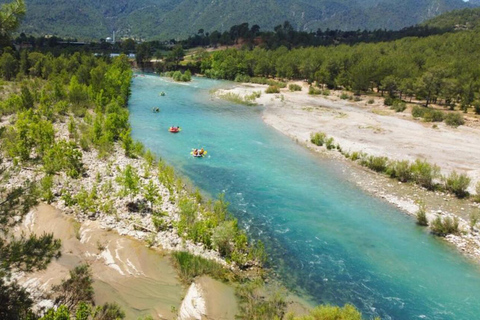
327, 239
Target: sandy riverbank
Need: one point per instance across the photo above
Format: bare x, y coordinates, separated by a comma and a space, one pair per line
377, 130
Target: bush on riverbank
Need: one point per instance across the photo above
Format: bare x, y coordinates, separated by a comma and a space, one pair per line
191, 266
424, 173
420, 171
294, 87
318, 138
442, 227
457, 184
272, 89
422, 215
179, 76
454, 119
324, 312
248, 100
314, 91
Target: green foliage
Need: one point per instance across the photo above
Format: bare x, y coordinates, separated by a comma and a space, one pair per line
422, 215
294, 87
476, 198
329, 143
61, 313
442, 227
424, 173
400, 170
46, 185
428, 115
191, 266
314, 91
378, 164
63, 155
327, 312
454, 119
398, 106
222, 237
236, 98
109, 311
242, 78
370, 101
76, 289
255, 305
457, 184
473, 220
129, 180
27, 98
178, 76
318, 138
272, 89
29, 134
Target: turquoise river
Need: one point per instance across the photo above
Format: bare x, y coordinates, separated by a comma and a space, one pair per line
327, 239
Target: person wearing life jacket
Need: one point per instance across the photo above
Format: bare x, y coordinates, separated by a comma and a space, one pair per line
195, 152
202, 152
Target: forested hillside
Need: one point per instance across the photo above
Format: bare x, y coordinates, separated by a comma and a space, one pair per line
456, 20
442, 68
164, 19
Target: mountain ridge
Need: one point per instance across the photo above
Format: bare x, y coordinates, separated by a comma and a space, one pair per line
165, 19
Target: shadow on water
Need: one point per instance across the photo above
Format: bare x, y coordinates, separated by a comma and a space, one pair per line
324, 236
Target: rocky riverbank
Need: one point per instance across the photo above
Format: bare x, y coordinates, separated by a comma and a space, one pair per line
376, 130
97, 201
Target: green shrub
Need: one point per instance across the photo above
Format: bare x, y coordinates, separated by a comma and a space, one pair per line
242, 78
399, 106
418, 112
424, 173
278, 84
442, 227
191, 266
314, 91
357, 99
454, 119
431, 115
473, 219
422, 215
355, 155
401, 170
457, 184
388, 101
344, 96
476, 198
272, 89
328, 312
294, 87
318, 138
371, 101
326, 92
159, 223
329, 143
378, 164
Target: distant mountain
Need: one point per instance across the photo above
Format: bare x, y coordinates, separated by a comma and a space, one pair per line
465, 19
163, 19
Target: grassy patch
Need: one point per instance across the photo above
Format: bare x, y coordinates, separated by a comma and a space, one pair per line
190, 266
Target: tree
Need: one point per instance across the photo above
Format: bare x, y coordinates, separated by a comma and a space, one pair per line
10, 16
143, 53
76, 289
176, 55
8, 66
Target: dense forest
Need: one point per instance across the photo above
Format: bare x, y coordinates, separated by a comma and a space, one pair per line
440, 68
